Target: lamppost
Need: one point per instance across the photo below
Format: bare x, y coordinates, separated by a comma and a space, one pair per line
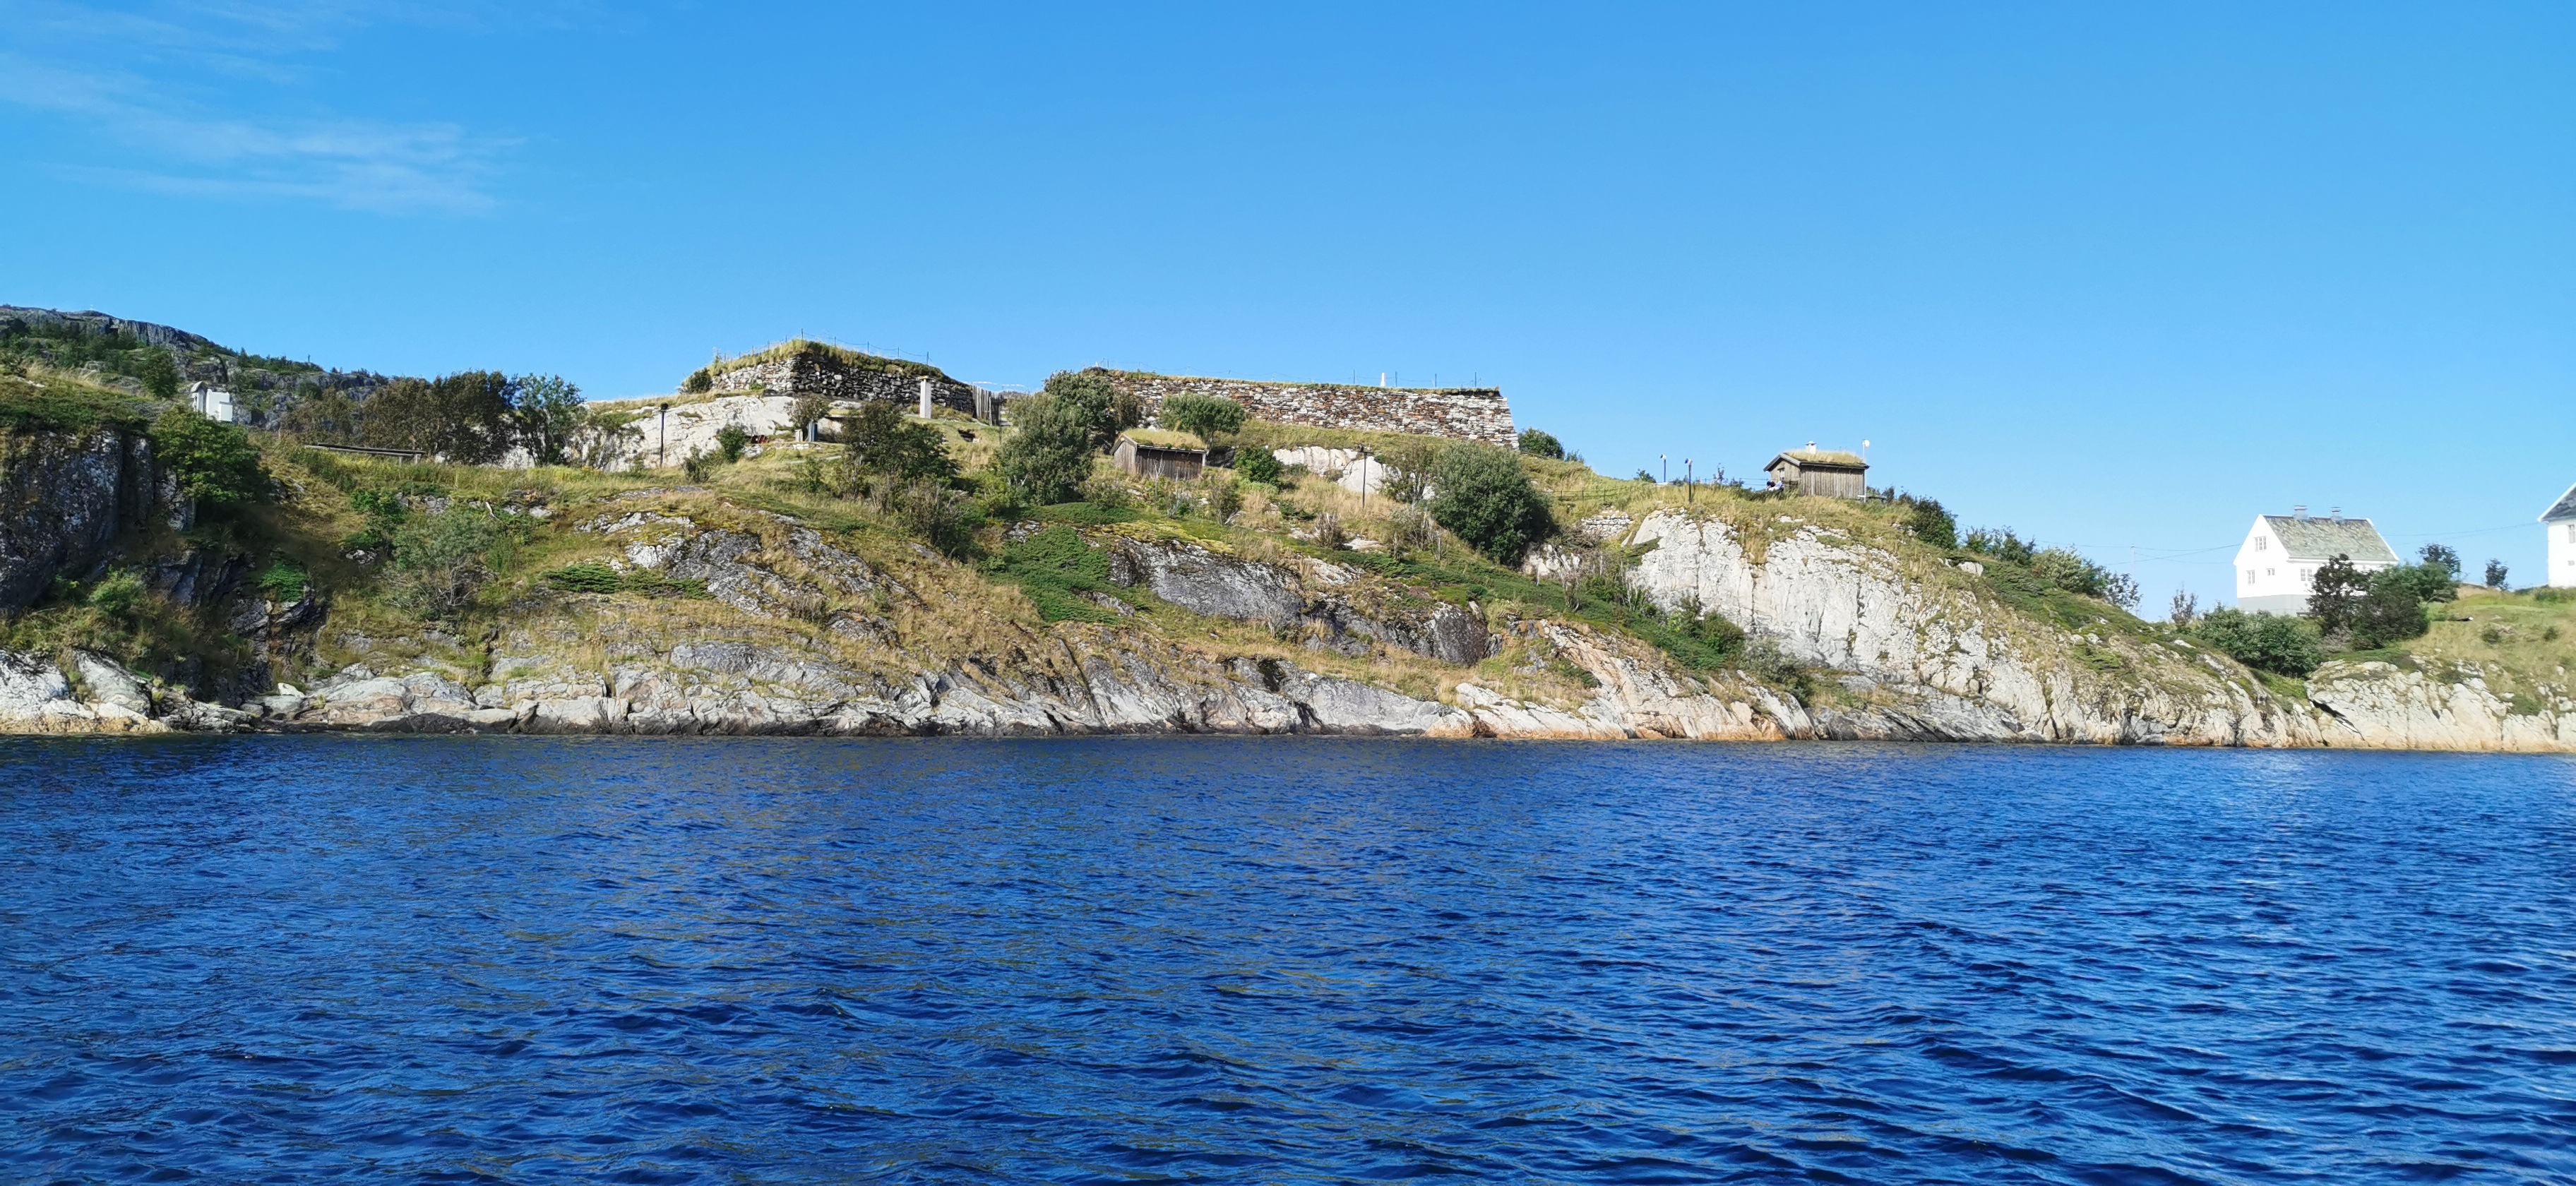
1665, 460
1690, 490
662, 437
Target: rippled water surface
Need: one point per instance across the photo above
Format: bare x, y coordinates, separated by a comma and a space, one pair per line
295, 960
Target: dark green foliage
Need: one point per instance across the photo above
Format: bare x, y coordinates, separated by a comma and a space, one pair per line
1488, 501
328, 417
1540, 444
881, 442
117, 593
1055, 567
586, 578
2266, 642
2389, 611
1205, 416
283, 580
2442, 557
2429, 582
1929, 521
1049, 454
2495, 574
699, 466
1257, 465
1090, 399
2000, 543
547, 412
2335, 593
2061, 568
731, 440
462, 418
699, 382
215, 464
159, 372
1085, 514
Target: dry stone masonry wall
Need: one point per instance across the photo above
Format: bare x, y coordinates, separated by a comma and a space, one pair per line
799, 373
1459, 413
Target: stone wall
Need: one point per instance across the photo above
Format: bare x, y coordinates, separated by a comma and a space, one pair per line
815, 371
1459, 413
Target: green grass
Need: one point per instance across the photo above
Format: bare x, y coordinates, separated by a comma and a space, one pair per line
1054, 567
42, 401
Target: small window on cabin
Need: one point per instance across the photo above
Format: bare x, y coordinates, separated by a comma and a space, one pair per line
2267, 572
2261, 543
2571, 533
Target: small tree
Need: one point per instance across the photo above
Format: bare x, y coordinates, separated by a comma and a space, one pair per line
881, 441
2334, 595
214, 464
1489, 502
1049, 454
1096, 404
2441, 557
464, 417
1540, 444
1411, 462
160, 374
546, 414
809, 408
1207, 417
2495, 574
2389, 610
2185, 608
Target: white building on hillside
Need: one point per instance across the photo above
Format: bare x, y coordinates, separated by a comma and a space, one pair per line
215, 402
2283, 552
2560, 522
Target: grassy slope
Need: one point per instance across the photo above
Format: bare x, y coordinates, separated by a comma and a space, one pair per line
969, 609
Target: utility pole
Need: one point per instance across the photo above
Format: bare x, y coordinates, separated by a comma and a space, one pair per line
1690, 490
662, 437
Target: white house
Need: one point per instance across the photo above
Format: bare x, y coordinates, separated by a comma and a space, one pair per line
215, 402
2283, 552
2560, 522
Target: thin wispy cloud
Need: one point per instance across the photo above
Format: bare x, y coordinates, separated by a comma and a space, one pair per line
136, 78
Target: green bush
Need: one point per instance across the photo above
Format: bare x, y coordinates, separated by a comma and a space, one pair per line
440, 561
1929, 521
731, 440
1540, 444
699, 382
1049, 454
1257, 465
117, 593
545, 414
2000, 543
940, 515
879, 441
1102, 410
283, 580
1205, 416
1489, 502
2266, 642
160, 374
215, 464
463, 418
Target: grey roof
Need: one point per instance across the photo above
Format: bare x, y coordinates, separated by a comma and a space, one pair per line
2312, 538
2564, 509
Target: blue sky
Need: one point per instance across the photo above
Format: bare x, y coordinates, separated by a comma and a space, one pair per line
2111, 276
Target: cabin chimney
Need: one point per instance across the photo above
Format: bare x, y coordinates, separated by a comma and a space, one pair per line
2336, 513
2300, 511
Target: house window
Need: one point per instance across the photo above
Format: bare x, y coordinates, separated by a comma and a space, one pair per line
2571, 533
2261, 543
2267, 572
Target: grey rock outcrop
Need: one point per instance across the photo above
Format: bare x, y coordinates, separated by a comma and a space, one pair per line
64, 498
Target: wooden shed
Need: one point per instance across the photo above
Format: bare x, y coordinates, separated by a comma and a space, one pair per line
1825, 473
1149, 453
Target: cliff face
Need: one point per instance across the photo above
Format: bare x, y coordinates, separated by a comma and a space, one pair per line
64, 499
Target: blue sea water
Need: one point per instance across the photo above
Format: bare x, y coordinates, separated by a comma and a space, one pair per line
536, 961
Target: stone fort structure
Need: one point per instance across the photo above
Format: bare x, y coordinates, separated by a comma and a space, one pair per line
798, 367
1459, 413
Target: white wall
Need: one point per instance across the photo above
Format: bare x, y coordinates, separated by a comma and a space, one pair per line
2562, 553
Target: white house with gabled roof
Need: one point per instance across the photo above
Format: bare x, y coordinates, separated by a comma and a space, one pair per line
2282, 553
2560, 522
